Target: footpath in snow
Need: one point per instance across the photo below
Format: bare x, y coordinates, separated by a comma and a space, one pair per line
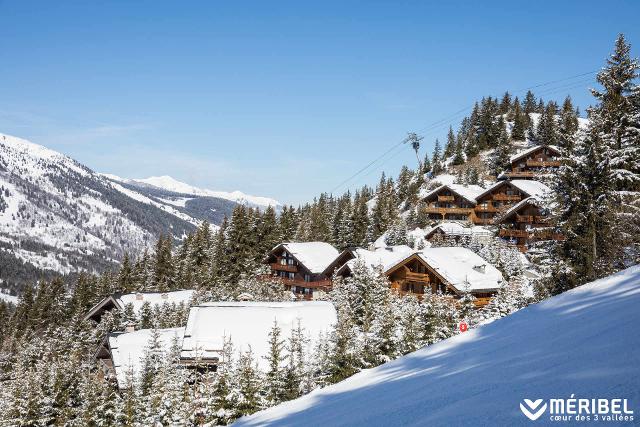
585, 342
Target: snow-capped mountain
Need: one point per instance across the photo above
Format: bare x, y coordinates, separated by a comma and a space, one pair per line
59, 216
168, 183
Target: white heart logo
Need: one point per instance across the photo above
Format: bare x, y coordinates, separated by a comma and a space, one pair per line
530, 411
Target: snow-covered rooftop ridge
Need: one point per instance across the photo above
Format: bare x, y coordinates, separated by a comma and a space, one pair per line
463, 268
528, 186
247, 324
533, 149
467, 191
315, 256
380, 257
127, 349
137, 299
168, 183
547, 350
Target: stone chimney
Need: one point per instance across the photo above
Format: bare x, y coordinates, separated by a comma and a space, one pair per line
131, 327
164, 295
139, 296
480, 268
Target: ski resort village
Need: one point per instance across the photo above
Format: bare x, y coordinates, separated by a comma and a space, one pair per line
488, 274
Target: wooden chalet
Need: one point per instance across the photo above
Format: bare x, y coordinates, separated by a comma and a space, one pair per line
301, 267
452, 202
526, 222
531, 163
501, 196
447, 270
118, 301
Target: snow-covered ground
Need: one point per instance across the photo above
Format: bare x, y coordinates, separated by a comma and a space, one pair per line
584, 342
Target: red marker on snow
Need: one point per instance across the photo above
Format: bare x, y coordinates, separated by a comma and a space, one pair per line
463, 326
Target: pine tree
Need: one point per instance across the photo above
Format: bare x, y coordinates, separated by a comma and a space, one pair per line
500, 160
274, 385
436, 160
547, 130
520, 123
568, 126
450, 146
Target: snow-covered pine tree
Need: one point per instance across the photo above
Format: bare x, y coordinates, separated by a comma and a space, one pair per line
502, 153
274, 384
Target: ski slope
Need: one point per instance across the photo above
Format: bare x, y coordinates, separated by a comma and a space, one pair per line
584, 342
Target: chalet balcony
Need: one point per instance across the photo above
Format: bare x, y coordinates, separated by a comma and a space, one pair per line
488, 208
300, 282
276, 266
543, 163
507, 197
481, 301
521, 174
415, 277
527, 219
444, 211
446, 198
510, 232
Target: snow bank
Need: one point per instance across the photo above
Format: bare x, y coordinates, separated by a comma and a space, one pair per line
583, 342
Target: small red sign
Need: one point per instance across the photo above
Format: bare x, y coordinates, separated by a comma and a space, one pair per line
463, 326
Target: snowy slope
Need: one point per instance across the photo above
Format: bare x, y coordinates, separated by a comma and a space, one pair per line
170, 184
583, 342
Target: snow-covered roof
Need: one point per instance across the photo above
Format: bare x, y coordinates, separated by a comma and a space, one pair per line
155, 298
315, 256
469, 192
528, 186
137, 299
528, 151
249, 323
462, 268
386, 257
128, 348
458, 229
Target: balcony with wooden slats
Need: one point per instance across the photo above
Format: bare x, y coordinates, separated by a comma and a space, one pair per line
445, 198
521, 174
510, 232
506, 197
543, 163
526, 219
276, 266
444, 211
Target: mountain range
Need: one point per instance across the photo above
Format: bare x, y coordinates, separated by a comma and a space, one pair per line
58, 216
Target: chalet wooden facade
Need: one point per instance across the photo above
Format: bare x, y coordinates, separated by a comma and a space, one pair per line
501, 196
118, 301
301, 267
447, 270
531, 163
525, 223
452, 202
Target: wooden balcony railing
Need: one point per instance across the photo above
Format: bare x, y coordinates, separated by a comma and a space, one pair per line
543, 163
444, 198
444, 211
276, 266
416, 277
488, 208
299, 282
507, 197
524, 218
509, 232
521, 174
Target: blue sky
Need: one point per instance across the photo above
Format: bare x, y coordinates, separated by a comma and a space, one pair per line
280, 99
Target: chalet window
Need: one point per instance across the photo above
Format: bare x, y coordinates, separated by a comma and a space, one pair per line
307, 277
291, 275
